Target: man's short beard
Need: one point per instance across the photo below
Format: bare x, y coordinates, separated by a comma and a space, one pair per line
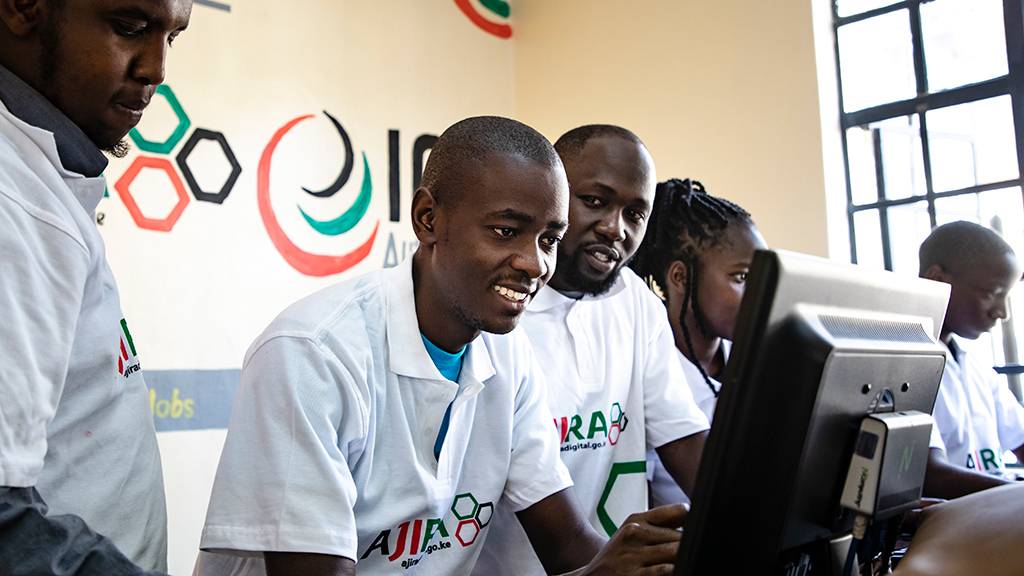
119, 149
578, 282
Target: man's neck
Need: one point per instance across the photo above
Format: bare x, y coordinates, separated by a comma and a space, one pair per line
76, 151
444, 331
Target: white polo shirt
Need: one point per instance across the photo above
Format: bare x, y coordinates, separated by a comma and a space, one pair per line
74, 410
330, 445
976, 414
615, 389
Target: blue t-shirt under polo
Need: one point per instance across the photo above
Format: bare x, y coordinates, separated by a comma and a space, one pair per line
449, 365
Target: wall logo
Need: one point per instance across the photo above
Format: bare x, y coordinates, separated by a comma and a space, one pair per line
495, 7
598, 432
306, 262
124, 361
472, 518
159, 162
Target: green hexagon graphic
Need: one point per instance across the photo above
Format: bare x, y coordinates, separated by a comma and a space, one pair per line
616, 413
166, 146
457, 505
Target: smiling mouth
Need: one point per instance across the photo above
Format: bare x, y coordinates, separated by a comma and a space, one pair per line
510, 294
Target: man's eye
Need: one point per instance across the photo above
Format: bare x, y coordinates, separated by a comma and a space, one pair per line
128, 30
592, 200
551, 242
740, 276
504, 231
634, 216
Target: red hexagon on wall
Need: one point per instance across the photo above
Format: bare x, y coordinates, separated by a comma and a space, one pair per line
123, 187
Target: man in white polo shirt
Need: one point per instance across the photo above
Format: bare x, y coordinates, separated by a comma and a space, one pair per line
380, 420
81, 489
976, 416
615, 384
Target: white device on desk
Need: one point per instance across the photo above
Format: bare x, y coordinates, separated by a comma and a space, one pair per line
888, 464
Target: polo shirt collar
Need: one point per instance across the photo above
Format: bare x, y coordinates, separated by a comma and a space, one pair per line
408, 355
76, 151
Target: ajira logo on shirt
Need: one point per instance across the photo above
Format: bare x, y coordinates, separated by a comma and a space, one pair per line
570, 428
124, 366
986, 459
473, 517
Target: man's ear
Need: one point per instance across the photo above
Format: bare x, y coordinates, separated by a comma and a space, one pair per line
21, 17
424, 214
935, 272
676, 278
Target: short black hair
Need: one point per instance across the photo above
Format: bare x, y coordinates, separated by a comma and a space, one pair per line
954, 244
686, 221
467, 143
570, 144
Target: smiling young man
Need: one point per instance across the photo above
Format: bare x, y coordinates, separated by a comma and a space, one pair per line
976, 416
615, 384
78, 452
379, 421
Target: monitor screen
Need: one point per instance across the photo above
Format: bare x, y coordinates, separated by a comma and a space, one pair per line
818, 345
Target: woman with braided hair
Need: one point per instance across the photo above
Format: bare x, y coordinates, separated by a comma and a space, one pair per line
696, 255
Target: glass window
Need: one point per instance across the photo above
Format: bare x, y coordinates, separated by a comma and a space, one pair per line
860, 144
869, 238
902, 157
972, 143
964, 42
851, 7
876, 61
909, 225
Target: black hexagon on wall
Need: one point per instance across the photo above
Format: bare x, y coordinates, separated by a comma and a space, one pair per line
182, 159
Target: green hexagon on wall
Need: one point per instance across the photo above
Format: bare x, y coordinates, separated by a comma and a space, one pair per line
166, 146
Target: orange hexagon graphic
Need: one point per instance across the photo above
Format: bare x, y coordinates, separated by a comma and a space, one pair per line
123, 187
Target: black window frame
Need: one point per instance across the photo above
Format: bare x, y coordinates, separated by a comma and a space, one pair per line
1011, 84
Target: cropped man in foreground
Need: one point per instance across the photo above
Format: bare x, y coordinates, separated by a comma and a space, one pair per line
378, 421
81, 489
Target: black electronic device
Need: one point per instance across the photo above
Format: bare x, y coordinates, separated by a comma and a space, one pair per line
818, 345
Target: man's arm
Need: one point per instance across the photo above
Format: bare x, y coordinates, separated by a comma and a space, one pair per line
564, 541
33, 543
682, 459
945, 480
289, 563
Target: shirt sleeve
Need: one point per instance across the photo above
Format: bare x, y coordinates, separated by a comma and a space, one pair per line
42, 278
297, 412
536, 470
669, 408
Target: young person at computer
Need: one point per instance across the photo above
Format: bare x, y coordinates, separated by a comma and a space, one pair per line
379, 420
697, 251
976, 416
615, 384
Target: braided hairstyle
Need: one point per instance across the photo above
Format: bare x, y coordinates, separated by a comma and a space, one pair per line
686, 221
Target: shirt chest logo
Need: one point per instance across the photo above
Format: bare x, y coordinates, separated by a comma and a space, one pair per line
127, 364
425, 536
594, 431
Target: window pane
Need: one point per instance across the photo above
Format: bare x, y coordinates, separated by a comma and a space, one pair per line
868, 230
964, 42
972, 144
909, 225
902, 157
876, 61
851, 7
860, 146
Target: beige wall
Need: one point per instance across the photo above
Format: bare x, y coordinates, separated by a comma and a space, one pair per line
722, 91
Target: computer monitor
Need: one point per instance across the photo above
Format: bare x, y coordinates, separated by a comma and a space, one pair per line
817, 346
